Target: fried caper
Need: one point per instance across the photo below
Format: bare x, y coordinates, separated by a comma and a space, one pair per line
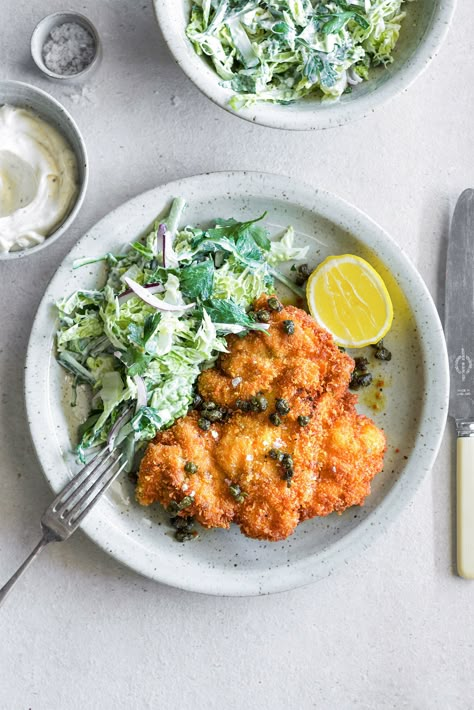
185, 535
197, 401
243, 405
215, 415
287, 476
204, 424
383, 354
263, 316
302, 274
361, 364
190, 467
275, 454
282, 406
237, 493
359, 380
259, 403
274, 304
180, 523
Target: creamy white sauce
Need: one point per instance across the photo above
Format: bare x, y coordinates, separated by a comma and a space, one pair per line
38, 179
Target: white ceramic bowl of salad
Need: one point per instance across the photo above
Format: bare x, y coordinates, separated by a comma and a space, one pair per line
324, 47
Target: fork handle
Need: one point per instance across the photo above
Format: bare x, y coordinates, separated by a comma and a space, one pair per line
5, 589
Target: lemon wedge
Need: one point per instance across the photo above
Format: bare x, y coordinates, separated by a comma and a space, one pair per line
348, 297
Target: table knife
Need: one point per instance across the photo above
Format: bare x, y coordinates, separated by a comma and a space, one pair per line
459, 330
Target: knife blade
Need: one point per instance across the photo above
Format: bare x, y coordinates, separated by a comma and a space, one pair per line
459, 331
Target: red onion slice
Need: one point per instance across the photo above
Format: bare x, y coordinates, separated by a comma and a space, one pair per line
113, 433
162, 233
146, 297
151, 288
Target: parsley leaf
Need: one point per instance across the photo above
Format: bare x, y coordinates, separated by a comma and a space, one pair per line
197, 280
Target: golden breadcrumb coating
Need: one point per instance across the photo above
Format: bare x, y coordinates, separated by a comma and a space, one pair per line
334, 456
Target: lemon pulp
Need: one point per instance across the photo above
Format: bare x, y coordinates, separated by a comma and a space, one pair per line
348, 297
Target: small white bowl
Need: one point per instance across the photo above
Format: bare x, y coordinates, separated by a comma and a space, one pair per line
423, 31
16, 93
41, 34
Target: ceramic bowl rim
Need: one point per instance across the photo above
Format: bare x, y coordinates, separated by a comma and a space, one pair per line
63, 116
42, 66
324, 116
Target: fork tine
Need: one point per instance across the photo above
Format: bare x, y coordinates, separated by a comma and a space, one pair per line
86, 491
68, 496
106, 479
83, 473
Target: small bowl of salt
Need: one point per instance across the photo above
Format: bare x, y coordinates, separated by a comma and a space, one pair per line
65, 45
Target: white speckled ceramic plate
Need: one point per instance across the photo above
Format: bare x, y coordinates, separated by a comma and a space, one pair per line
415, 390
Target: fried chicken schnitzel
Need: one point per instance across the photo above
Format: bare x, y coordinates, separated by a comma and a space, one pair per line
290, 444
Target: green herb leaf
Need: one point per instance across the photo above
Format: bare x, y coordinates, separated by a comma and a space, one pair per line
281, 28
260, 236
231, 228
244, 84
135, 334
146, 421
337, 22
136, 361
150, 325
197, 280
86, 426
247, 247
142, 249
221, 310
140, 335
160, 275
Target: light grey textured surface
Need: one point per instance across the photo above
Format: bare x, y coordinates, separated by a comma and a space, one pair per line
394, 628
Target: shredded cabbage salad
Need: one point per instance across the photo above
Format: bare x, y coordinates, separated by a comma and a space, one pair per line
168, 302
280, 51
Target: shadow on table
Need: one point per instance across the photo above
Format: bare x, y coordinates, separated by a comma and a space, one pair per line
444, 502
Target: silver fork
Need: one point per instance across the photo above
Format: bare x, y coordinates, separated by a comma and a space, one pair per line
67, 511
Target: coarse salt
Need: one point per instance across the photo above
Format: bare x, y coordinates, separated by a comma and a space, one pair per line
69, 50
249, 457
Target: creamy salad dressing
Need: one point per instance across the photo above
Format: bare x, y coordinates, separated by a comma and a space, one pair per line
38, 179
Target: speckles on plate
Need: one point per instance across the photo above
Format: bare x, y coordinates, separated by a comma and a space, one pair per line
416, 405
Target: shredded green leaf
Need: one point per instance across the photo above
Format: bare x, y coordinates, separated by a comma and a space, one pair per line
280, 51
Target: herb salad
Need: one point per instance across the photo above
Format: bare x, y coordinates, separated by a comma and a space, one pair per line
168, 302
279, 51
